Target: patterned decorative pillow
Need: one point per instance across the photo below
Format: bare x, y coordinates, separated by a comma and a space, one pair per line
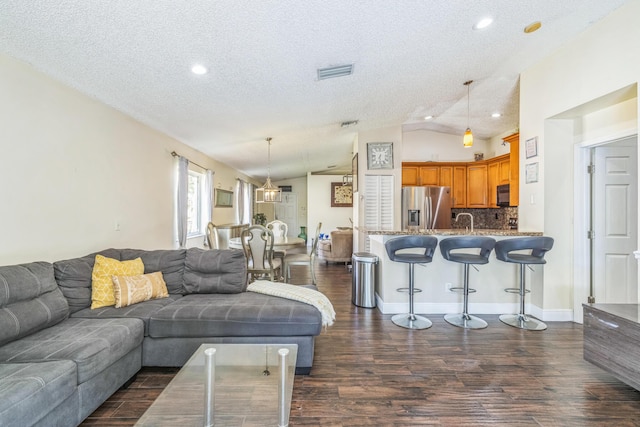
134, 289
102, 293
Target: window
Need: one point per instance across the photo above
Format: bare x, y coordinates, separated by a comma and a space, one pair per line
195, 193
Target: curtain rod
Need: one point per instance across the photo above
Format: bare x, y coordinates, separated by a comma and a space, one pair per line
174, 154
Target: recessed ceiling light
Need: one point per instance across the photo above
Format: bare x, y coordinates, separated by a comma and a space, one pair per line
428, 117
534, 26
483, 23
496, 115
199, 69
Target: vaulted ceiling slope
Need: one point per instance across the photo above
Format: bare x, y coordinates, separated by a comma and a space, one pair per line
410, 59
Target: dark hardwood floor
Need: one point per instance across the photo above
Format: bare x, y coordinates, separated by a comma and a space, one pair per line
368, 371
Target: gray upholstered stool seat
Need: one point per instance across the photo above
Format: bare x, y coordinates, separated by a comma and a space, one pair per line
511, 250
450, 251
393, 247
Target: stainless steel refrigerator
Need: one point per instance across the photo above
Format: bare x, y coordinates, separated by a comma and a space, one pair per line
425, 208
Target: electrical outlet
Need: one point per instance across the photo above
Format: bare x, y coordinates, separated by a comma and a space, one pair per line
447, 287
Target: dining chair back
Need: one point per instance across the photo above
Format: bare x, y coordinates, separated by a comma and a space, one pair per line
278, 228
303, 259
257, 243
212, 236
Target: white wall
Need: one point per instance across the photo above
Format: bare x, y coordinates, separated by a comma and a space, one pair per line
73, 167
319, 206
560, 101
299, 187
428, 146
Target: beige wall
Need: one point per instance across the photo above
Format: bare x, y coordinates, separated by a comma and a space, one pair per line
567, 99
74, 169
319, 205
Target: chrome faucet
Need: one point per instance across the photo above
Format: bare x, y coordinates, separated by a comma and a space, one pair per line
470, 216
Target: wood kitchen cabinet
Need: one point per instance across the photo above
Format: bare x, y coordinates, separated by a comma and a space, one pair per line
420, 175
410, 175
514, 165
498, 173
430, 175
477, 186
504, 170
455, 177
492, 183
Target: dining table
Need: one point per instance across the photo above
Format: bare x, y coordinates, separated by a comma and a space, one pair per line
280, 243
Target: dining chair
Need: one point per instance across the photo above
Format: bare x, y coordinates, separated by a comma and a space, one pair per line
257, 243
303, 259
279, 229
212, 236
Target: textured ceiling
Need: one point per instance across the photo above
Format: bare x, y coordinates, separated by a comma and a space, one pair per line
410, 59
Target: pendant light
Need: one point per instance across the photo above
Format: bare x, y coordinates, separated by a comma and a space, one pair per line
268, 193
467, 141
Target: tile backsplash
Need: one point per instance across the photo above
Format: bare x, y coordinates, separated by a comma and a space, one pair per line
497, 219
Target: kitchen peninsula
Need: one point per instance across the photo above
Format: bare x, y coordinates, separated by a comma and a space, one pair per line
437, 277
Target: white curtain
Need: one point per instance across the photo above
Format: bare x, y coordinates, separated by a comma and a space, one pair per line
208, 197
239, 211
244, 202
249, 194
181, 200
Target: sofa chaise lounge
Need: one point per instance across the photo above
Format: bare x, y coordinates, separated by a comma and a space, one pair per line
60, 359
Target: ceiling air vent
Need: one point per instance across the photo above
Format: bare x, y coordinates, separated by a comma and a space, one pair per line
337, 71
348, 124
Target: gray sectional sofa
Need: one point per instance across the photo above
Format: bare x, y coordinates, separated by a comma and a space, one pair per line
60, 359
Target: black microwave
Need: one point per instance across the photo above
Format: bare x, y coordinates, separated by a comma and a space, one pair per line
502, 198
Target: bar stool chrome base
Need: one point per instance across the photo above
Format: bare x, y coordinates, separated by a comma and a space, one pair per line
411, 321
466, 321
523, 322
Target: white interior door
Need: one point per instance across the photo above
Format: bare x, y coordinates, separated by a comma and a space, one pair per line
615, 219
287, 211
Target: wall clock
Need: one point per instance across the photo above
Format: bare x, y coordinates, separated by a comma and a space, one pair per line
380, 155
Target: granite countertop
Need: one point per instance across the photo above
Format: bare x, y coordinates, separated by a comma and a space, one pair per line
451, 232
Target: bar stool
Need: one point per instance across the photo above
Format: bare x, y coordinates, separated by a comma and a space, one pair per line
393, 246
447, 247
506, 250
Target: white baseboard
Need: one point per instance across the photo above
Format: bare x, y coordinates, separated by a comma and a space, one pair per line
563, 315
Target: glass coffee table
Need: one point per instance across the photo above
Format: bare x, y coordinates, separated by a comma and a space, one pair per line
250, 388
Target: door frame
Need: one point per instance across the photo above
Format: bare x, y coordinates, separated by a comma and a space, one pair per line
582, 218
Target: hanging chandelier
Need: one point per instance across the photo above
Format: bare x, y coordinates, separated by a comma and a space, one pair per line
268, 193
467, 140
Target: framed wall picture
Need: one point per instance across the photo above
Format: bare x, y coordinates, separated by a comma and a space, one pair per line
531, 147
223, 198
380, 155
341, 195
354, 173
531, 173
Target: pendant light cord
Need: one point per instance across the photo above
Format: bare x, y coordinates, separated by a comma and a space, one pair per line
269, 159
468, 102
468, 85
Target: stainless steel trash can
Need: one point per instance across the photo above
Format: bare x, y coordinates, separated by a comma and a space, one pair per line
364, 278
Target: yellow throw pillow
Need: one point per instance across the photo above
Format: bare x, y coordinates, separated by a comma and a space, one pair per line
102, 294
133, 289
